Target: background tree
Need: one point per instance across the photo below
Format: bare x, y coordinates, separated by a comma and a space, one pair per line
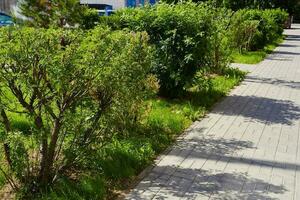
46, 13
292, 6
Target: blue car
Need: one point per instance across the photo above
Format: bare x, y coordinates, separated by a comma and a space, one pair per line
5, 20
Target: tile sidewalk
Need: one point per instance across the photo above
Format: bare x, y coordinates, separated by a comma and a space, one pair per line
247, 147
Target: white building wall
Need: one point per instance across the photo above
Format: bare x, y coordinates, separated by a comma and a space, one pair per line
7, 5
115, 3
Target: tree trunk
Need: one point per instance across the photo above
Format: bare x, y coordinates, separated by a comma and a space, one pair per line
7, 129
53, 144
48, 154
44, 152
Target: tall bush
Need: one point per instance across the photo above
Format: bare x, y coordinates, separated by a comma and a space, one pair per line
72, 87
243, 32
182, 35
219, 38
253, 29
279, 17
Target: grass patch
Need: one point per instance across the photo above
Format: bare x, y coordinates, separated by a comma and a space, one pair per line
88, 187
167, 119
254, 57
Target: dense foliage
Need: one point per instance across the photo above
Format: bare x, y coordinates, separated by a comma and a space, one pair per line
74, 88
58, 13
190, 37
291, 6
185, 36
253, 29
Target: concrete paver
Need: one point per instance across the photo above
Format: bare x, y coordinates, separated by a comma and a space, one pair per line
248, 147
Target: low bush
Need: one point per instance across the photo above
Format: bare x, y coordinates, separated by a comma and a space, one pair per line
72, 87
253, 29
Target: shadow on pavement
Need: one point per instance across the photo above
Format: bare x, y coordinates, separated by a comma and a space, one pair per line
273, 81
262, 109
205, 184
172, 182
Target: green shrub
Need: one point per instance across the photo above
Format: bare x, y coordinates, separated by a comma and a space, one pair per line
181, 34
219, 38
243, 32
89, 19
279, 18
254, 29
73, 87
57, 13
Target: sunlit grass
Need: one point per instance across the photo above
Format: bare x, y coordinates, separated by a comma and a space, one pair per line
254, 57
166, 120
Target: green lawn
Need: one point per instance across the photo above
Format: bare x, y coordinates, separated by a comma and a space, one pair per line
254, 57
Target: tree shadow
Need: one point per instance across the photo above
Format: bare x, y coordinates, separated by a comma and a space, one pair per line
293, 28
273, 81
290, 53
292, 38
192, 184
167, 181
279, 57
262, 109
212, 148
288, 45
205, 145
